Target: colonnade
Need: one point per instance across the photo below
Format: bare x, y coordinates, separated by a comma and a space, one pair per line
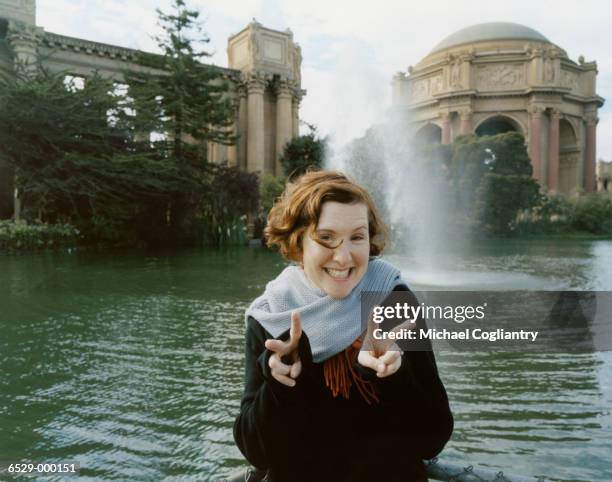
253, 122
547, 173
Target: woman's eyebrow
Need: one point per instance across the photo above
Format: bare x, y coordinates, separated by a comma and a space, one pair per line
330, 230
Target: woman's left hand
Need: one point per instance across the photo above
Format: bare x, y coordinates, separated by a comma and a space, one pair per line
382, 356
384, 365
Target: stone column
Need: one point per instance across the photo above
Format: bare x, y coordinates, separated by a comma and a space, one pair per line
590, 152
242, 127
446, 128
535, 140
231, 151
553, 151
284, 121
466, 122
536, 66
296, 115
24, 40
255, 129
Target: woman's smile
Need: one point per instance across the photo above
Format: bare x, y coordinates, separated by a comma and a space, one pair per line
339, 274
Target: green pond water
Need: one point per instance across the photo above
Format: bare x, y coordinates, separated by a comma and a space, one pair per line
131, 363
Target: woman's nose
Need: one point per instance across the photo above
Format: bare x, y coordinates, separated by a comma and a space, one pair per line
342, 254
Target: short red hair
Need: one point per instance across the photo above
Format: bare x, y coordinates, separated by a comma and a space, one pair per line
300, 206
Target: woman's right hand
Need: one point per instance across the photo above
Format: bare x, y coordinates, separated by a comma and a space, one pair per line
282, 372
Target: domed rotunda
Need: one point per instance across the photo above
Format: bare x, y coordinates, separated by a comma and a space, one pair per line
498, 77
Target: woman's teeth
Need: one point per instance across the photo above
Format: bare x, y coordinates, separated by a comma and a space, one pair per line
338, 274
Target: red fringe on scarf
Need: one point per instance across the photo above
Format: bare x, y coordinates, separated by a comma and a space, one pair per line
340, 375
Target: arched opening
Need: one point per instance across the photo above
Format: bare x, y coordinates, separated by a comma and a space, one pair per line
497, 125
428, 134
569, 156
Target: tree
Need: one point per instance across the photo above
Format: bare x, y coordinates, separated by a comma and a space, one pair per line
186, 103
72, 163
302, 153
491, 179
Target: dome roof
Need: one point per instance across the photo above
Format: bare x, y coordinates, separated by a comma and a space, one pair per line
490, 31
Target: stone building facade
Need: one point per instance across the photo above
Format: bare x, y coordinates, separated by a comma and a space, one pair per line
264, 72
497, 77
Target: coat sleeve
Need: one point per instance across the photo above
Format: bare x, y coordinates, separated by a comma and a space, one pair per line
271, 417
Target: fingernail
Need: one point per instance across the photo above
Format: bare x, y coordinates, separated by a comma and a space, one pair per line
381, 367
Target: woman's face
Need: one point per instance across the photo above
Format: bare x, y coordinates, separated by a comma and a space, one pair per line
337, 271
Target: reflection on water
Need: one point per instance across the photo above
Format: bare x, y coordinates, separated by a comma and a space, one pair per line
132, 363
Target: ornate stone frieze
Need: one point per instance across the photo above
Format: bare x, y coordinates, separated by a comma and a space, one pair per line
498, 77
423, 88
54, 40
569, 79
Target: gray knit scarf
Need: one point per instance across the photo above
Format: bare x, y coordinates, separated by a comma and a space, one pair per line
331, 324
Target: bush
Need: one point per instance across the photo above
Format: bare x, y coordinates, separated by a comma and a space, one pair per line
270, 189
552, 215
20, 236
593, 213
556, 214
230, 195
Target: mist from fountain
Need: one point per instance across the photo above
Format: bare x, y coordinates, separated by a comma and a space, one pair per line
431, 242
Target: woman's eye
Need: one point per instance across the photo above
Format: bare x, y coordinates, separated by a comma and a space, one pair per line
325, 237
358, 238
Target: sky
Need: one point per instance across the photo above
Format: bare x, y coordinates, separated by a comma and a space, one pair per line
351, 48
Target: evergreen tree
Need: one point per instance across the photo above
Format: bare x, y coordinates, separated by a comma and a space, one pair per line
72, 163
186, 103
302, 153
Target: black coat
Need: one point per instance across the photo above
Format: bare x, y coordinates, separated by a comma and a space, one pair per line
304, 433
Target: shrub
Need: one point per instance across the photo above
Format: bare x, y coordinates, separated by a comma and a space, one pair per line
270, 188
593, 213
19, 236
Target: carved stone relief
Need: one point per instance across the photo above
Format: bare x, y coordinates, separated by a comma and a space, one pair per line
253, 45
455, 77
549, 70
569, 79
493, 77
423, 88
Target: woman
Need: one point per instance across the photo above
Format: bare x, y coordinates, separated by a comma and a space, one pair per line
315, 407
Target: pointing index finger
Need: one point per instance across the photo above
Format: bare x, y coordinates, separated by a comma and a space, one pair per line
295, 332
